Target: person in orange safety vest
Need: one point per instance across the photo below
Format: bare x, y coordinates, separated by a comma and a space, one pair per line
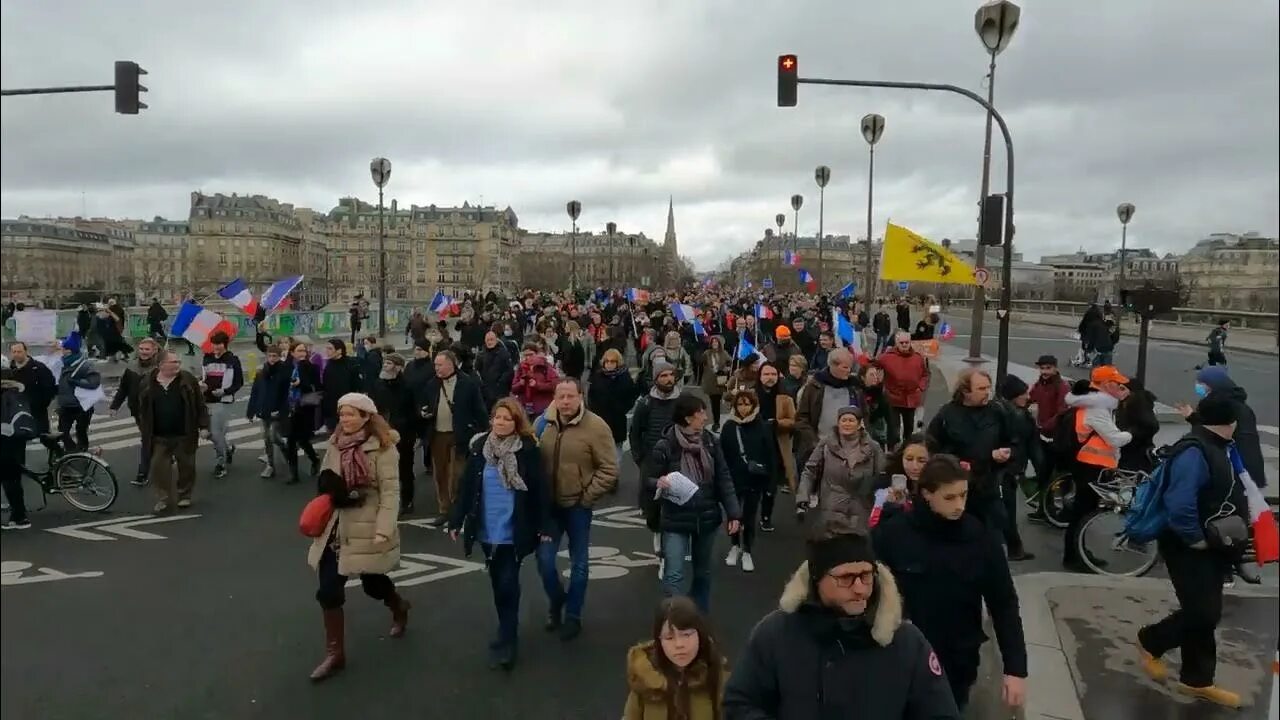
1100, 443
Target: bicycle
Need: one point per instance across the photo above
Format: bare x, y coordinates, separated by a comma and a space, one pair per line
83, 478
1115, 489
1054, 501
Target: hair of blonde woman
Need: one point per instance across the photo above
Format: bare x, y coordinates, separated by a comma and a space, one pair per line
611, 354
516, 410
378, 427
797, 361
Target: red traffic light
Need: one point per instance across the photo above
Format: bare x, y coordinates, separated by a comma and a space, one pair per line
788, 80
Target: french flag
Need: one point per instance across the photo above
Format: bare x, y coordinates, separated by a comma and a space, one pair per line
791, 258
440, 303
698, 328
278, 292
746, 350
683, 313
637, 295
946, 332
763, 312
1266, 535
237, 293
807, 279
197, 324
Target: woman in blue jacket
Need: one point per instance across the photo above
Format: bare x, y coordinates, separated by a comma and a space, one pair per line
504, 502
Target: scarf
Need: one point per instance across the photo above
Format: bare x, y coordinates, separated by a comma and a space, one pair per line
501, 453
295, 391
353, 461
854, 451
657, 394
695, 459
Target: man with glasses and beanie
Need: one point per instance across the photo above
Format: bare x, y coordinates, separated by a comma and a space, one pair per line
837, 646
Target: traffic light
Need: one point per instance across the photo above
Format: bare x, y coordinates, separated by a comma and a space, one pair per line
128, 87
788, 80
991, 224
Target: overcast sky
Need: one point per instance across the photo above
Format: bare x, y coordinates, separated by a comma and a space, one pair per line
1172, 106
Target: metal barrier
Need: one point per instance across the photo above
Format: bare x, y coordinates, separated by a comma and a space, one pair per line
317, 324
1179, 316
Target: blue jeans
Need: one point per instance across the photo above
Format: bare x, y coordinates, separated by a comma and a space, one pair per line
699, 546
504, 578
576, 523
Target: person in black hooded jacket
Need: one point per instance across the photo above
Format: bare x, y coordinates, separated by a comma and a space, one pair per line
750, 449
1217, 383
1136, 415
341, 375
948, 566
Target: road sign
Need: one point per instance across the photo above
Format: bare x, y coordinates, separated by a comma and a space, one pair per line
982, 275
767, 283
903, 285
124, 527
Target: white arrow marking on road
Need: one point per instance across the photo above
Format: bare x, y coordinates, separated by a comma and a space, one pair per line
120, 526
619, 517
427, 569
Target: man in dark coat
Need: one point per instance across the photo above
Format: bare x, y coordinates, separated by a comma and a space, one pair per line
37, 380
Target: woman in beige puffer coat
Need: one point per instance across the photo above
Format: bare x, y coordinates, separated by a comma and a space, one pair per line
361, 471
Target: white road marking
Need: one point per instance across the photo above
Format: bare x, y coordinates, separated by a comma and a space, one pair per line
11, 573
119, 526
421, 568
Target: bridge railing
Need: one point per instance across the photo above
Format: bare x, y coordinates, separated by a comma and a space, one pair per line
1179, 316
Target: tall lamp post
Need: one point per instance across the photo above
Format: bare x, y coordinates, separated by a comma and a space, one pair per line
380, 169
995, 23
574, 208
822, 176
611, 228
1124, 211
780, 219
872, 129
797, 201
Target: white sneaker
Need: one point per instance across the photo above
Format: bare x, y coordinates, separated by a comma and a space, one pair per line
267, 472
264, 459
735, 553
748, 565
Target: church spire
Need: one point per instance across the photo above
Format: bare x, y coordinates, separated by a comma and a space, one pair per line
669, 239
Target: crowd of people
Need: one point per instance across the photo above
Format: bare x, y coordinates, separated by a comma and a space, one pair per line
523, 411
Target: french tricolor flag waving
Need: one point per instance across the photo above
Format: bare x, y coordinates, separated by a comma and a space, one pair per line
763, 312
683, 313
1266, 535
806, 278
440, 303
277, 294
237, 293
197, 324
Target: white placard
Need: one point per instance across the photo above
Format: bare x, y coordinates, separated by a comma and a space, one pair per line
36, 326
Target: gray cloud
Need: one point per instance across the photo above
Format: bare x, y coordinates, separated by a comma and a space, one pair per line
1171, 106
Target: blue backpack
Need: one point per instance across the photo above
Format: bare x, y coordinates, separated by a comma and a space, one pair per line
1147, 517
540, 426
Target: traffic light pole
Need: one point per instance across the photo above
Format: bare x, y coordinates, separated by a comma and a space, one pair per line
59, 90
1006, 290
1142, 348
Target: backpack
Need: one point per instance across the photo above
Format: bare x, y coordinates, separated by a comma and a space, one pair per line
540, 426
16, 420
1147, 517
1066, 443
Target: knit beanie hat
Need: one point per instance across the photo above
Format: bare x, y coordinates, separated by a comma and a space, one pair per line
1012, 386
1217, 411
836, 551
394, 358
1213, 376
72, 342
359, 401
423, 344
660, 366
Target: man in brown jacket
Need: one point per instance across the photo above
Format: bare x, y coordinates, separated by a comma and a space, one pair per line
172, 417
820, 400
582, 466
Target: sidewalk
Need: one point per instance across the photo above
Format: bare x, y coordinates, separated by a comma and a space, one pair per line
1259, 342
1080, 632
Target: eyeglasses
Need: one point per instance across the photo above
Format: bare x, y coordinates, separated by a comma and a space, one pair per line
847, 580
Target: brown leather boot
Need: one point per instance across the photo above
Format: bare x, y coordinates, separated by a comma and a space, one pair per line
335, 652
399, 613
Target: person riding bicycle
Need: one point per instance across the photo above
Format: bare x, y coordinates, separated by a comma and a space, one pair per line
1100, 442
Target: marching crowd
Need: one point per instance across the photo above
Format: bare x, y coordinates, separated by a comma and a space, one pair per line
525, 409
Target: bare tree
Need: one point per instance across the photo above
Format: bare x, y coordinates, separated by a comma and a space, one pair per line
542, 271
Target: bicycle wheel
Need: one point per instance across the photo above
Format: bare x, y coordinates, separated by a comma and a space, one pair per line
1056, 500
86, 481
1102, 547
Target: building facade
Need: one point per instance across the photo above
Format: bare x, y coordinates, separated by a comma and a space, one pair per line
619, 260
160, 265
843, 260
54, 264
253, 237
1232, 272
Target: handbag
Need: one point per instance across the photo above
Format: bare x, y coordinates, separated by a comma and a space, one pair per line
311, 399
753, 468
1227, 533
315, 516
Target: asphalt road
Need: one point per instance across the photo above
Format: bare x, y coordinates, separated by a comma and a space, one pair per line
210, 613
1170, 365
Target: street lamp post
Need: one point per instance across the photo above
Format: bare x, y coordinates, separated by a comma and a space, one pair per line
1124, 211
872, 129
780, 219
822, 176
574, 208
797, 201
611, 228
380, 169
995, 23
